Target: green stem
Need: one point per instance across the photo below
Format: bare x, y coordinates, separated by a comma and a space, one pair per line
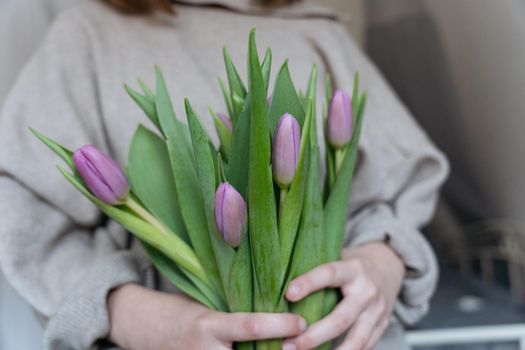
143, 213
183, 255
339, 157
282, 199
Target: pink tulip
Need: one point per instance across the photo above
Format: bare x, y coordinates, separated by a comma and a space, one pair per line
230, 214
101, 174
340, 121
286, 144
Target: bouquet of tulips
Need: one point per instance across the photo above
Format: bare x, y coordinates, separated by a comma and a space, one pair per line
231, 226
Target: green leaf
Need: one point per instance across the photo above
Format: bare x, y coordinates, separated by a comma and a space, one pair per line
240, 284
355, 93
145, 103
187, 184
170, 245
225, 135
172, 272
206, 175
330, 170
61, 151
285, 99
151, 179
150, 237
234, 79
261, 199
193, 211
221, 172
290, 213
237, 89
329, 87
227, 98
239, 159
266, 67
336, 207
309, 250
147, 91
171, 127
337, 204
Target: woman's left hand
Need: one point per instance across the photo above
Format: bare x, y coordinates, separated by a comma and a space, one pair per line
370, 279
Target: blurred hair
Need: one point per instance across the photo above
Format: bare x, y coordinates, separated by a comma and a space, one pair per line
141, 6
147, 6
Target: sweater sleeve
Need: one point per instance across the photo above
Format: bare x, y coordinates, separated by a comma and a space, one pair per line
397, 179
55, 248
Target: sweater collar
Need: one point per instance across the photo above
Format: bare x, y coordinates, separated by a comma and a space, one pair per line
297, 9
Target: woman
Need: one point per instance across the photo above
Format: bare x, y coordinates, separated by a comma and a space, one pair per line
92, 287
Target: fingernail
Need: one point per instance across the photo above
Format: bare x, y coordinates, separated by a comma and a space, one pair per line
302, 324
293, 290
289, 346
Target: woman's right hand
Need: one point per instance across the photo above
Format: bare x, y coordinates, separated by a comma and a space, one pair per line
144, 319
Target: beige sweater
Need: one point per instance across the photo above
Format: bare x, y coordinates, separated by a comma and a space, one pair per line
56, 249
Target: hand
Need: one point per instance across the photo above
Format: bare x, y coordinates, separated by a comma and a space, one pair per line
370, 278
144, 319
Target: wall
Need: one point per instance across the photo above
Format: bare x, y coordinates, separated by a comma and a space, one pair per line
484, 41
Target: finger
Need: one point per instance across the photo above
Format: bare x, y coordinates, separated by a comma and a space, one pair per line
332, 274
377, 333
337, 322
255, 326
362, 330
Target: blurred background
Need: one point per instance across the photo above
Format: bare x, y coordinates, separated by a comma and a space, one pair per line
459, 66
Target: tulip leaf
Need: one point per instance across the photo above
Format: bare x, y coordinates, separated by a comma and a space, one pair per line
146, 90
227, 97
329, 87
193, 211
240, 284
266, 67
337, 204
225, 135
239, 160
187, 184
336, 207
330, 170
285, 99
309, 249
59, 150
146, 104
152, 181
355, 94
206, 175
290, 213
172, 272
170, 245
329, 150
289, 219
171, 127
261, 200
237, 89
148, 235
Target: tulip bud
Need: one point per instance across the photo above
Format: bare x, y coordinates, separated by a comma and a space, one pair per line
340, 121
101, 174
286, 145
230, 214
226, 121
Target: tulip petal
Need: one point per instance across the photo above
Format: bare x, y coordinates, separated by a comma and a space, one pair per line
285, 150
340, 121
102, 175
